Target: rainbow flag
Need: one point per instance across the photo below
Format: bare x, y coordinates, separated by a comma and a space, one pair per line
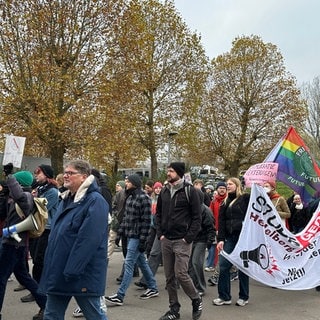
297, 168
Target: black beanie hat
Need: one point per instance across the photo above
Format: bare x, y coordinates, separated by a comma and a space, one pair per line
47, 170
178, 167
135, 180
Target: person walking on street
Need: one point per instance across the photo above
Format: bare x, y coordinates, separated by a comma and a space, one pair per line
231, 216
178, 221
76, 257
135, 227
203, 241
13, 252
46, 188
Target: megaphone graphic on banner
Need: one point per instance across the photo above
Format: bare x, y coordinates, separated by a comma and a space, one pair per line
258, 255
27, 224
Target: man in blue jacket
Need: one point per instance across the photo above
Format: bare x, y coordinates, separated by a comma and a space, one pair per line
76, 257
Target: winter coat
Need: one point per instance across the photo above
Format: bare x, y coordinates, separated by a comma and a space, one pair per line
23, 197
207, 232
231, 215
51, 193
137, 215
178, 215
76, 257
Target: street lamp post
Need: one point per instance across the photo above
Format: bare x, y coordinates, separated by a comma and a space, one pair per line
170, 136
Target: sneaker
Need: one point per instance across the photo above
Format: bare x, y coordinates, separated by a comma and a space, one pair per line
140, 285
115, 299
213, 280
234, 276
241, 302
28, 298
77, 313
20, 287
220, 302
103, 305
170, 315
209, 269
196, 308
150, 293
39, 315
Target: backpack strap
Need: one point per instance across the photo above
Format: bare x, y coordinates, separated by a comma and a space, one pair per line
19, 211
187, 191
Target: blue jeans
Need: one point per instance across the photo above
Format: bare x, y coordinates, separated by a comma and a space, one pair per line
90, 306
135, 256
154, 258
224, 286
13, 259
211, 256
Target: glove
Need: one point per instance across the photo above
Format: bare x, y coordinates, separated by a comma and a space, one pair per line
8, 169
117, 241
209, 245
142, 246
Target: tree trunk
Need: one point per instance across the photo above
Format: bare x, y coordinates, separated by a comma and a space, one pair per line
154, 164
56, 155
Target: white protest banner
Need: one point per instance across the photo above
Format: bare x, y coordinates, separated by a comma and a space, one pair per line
261, 173
270, 253
13, 151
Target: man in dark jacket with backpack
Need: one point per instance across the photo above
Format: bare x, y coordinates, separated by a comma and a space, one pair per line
178, 221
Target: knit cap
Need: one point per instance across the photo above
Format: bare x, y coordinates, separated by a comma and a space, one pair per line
47, 170
24, 178
178, 167
221, 184
157, 185
135, 180
122, 184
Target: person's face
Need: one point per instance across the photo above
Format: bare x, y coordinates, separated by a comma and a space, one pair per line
231, 187
148, 189
222, 191
198, 186
129, 185
297, 199
172, 176
157, 190
267, 187
118, 187
40, 176
73, 178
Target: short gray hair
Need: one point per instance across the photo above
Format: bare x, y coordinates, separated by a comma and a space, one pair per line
82, 166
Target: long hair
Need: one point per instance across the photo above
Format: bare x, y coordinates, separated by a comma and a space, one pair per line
239, 189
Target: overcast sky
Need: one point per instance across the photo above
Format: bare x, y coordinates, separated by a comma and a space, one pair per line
292, 25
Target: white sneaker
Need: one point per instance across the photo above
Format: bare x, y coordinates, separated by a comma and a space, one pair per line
77, 313
220, 302
209, 269
241, 302
103, 304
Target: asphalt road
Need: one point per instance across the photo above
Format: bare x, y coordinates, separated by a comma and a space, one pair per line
265, 302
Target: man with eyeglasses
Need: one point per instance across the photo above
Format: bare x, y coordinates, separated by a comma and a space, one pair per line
76, 257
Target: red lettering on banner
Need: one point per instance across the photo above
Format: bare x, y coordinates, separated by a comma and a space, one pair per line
310, 233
